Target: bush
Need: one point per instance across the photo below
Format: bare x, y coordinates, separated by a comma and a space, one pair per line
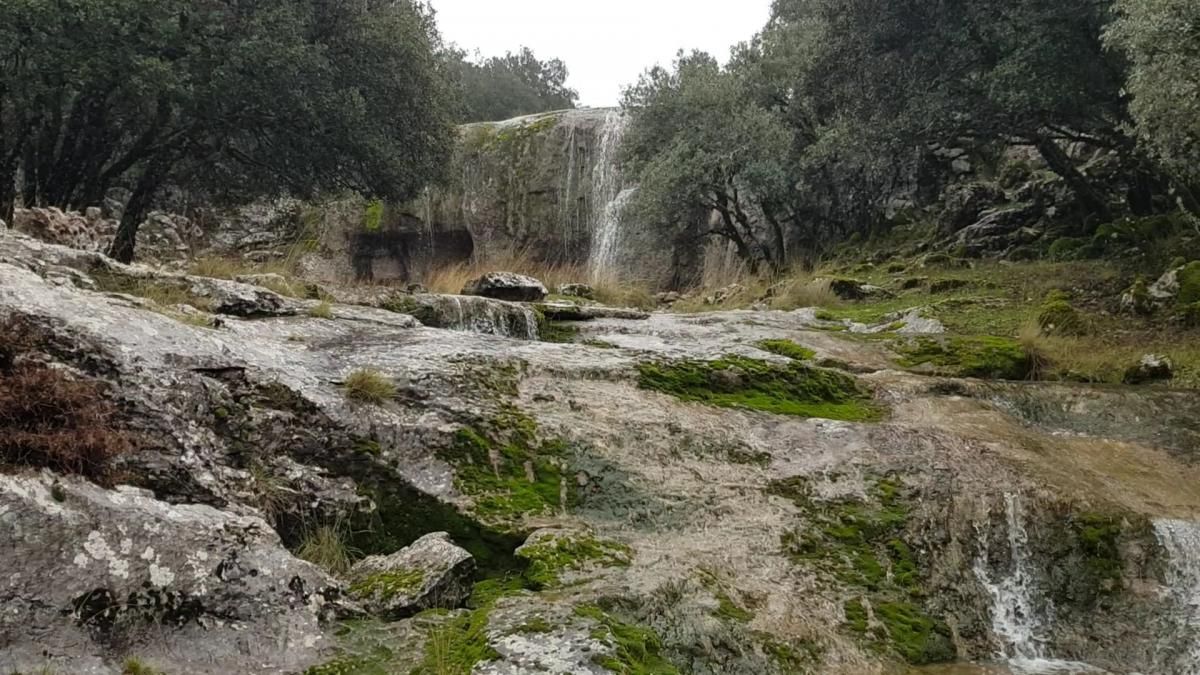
1058, 317
49, 418
1068, 248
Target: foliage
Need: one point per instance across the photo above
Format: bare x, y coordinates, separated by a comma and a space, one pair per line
737, 382
503, 87
51, 418
234, 100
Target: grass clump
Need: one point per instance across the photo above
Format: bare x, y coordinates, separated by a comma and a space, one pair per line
50, 418
322, 310
788, 349
737, 382
369, 386
509, 472
983, 356
552, 556
637, 650
135, 666
1058, 317
327, 548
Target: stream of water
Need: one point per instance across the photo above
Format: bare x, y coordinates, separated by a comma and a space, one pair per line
1180, 648
608, 197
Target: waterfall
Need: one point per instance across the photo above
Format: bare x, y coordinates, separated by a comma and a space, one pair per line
608, 196
1016, 620
1181, 540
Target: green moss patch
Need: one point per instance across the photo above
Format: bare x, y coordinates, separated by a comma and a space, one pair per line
553, 556
1058, 317
1189, 283
509, 472
388, 585
1098, 537
737, 382
636, 649
787, 348
861, 544
983, 357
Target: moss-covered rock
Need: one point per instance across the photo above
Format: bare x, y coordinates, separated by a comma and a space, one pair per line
432, 572
1189, 283
636, 650
737, 382
550, 553
788, 349
1058, 317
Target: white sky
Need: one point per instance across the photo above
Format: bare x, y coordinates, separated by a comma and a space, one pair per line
606, 44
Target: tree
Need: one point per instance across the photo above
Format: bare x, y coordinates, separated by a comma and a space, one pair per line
512, 85
1026, 71
1161, 39
240, 99
700, 143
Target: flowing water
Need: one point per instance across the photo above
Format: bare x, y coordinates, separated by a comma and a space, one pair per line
1181, 646
1021, 615
608, 197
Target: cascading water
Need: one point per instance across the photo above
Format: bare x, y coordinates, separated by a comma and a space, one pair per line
608, 197
1181, 647
1020, 612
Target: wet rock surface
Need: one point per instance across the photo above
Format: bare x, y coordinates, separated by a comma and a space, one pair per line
718, 537
507, 286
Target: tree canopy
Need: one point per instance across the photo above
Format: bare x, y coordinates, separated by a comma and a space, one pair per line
503, 87
241, 99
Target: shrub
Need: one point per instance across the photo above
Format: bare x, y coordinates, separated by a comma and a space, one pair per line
51, 419
369, 386
1058, 317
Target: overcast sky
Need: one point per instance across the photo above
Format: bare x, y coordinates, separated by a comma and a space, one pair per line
606, 44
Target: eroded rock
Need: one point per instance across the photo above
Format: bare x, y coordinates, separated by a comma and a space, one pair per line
507, 286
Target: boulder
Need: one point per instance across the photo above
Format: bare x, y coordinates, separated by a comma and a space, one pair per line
963, 204
431, 573
507, 286
205, 590
1000, 229
854, 290
577, 291
468, 313
1152, 368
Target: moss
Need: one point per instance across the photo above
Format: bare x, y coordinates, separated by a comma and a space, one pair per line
1098, 536
599, 344
857, 619
1058, 317
1068, 248
373, 216
787, 348
737, 382
535, 625
637, 650
550, 558
135, 666
386, 586
348, 665
559, 332
914, 634
797, 657
729, 610
1189, 283
509, 472
982, 356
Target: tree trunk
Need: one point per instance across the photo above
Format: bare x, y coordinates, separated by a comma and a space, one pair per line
152, 178
8, 192
1061, 164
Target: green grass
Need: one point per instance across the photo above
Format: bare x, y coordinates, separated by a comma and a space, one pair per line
327, 548
322, 310
737, 382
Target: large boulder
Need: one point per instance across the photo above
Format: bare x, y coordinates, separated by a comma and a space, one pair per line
1000, 229
963, 203
507, 286
93, 576
432, 572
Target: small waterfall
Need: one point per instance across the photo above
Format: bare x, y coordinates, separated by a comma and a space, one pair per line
1181, 540
1016, 619
608, 196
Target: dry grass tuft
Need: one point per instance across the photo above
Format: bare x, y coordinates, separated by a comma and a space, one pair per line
804, 291
51, 419
327, 548
322, 310
369, 386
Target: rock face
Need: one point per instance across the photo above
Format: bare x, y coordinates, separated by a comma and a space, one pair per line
738, 504
507, 286
203, 590
432, 572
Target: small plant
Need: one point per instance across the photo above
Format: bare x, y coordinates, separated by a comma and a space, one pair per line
135, 666
323, 310
326, 548
49, 418
369, 386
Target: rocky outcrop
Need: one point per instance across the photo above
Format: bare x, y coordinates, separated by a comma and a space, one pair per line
1000, 229
94, 573
507, 286
962, 204
431, 573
